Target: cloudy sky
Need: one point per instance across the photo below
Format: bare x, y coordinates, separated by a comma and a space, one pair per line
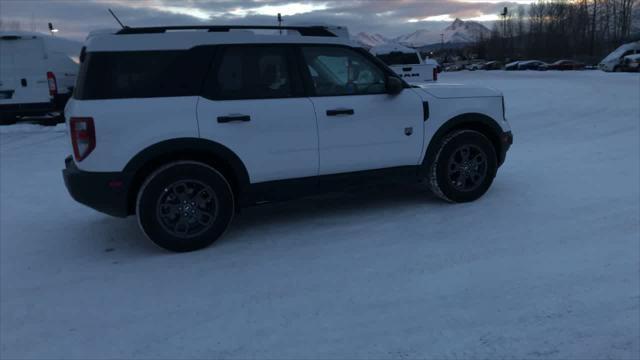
75, 18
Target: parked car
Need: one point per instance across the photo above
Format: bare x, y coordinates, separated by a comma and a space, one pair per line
183, 128
493, 65
34, 78
512, 66
453, 67
631, 63
566, 65
614, 60
475, 66
406, 62
532, 65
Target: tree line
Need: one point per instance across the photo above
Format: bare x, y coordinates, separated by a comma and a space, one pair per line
553, 29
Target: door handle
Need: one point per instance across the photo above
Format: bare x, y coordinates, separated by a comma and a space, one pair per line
337, 112
232, 118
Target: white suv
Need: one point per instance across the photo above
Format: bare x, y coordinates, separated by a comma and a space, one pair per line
183, 126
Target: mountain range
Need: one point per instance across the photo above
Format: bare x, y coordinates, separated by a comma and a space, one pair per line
456, 33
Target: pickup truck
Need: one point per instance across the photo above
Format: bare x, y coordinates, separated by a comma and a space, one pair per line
407, 62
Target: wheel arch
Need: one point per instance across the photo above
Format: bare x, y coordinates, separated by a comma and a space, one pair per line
470, 121
196, 149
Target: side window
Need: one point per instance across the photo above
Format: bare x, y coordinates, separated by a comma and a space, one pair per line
142, 74
273, 78
260, 72
339, 71
231, 75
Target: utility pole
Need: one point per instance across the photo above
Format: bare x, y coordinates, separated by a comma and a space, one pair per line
503, 15
441, 41
280, 23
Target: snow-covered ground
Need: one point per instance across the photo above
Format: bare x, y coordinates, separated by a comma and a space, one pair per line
546, 265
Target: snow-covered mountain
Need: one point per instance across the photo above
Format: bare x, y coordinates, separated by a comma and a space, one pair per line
418, 38
465, 32
370, 40
457, 32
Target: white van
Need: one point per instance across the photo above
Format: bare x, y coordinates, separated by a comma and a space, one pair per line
35, 78
407, 62
613, 61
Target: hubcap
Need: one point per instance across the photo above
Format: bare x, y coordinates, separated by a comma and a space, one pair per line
187, 208
467, 168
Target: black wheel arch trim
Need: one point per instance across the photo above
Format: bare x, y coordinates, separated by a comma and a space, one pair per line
197, 149
472, 121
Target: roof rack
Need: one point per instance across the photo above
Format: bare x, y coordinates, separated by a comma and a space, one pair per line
303, 30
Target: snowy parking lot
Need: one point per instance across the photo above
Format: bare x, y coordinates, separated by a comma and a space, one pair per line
546, 265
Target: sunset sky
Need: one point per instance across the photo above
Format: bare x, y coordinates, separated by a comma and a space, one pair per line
74, 18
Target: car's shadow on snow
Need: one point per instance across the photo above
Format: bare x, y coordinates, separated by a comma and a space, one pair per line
360, 202
307, 214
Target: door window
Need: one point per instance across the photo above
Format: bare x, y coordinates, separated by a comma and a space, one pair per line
261, 72
339, 71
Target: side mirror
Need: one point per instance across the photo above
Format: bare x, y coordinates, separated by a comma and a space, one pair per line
394, 85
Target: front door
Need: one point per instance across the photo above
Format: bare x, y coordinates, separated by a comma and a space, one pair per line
360, 126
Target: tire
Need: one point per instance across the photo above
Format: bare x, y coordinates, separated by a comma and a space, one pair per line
457, 179
185, 206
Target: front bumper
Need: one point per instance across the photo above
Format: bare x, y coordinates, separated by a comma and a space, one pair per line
506, 140
106, 192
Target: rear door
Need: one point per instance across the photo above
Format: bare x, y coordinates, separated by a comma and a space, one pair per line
360, 126
23, 73
254, 104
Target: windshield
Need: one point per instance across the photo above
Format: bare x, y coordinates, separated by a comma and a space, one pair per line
399, 58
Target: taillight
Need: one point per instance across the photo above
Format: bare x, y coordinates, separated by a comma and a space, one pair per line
435, 74
53, 86
83, 136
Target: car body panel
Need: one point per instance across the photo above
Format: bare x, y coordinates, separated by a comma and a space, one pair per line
131, 125
279, 141
384, 131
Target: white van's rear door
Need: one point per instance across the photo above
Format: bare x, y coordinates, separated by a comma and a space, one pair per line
23, 71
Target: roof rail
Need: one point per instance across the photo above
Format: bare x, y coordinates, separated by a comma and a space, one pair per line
303, 30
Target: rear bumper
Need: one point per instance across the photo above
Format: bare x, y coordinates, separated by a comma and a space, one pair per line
28, 109
106, 192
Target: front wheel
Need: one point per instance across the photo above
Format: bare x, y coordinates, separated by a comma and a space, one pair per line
464, 167
185, 206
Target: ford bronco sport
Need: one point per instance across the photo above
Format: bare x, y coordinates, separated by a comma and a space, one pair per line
182, 126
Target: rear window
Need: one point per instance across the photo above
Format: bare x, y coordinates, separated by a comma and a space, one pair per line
399, 58
142, 74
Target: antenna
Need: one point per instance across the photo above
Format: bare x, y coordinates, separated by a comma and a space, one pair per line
118, 20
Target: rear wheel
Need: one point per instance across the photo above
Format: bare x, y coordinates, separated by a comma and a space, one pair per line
185, 206
464, 167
